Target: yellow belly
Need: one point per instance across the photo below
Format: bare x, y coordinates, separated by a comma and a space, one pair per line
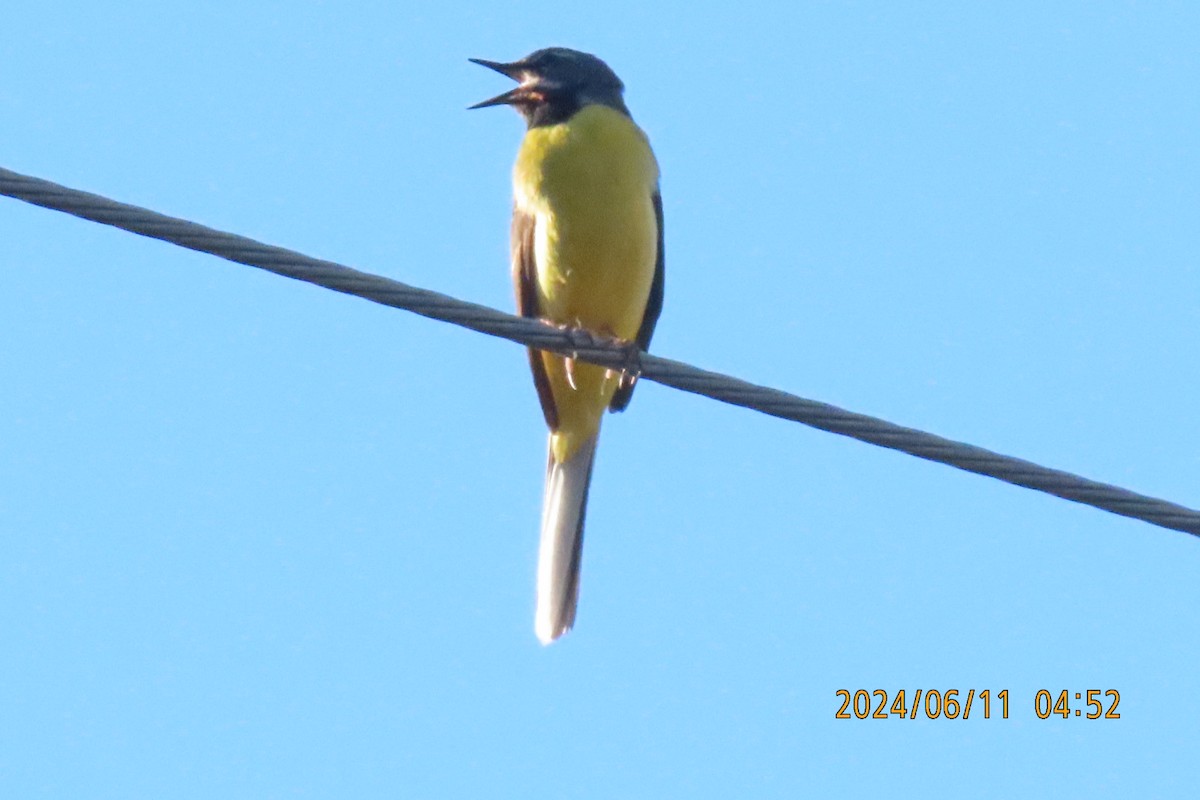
589, 183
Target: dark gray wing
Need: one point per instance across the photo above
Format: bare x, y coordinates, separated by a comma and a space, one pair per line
654, 306
524, 273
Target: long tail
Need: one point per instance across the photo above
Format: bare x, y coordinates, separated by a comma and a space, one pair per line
562, 541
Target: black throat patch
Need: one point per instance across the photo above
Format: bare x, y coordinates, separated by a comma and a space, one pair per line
556, 109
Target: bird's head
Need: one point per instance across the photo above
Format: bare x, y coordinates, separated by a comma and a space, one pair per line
554, 83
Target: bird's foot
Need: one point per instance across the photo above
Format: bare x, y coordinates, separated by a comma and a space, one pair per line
631, 358
630, 355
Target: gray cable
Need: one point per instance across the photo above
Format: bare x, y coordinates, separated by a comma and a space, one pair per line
600, 351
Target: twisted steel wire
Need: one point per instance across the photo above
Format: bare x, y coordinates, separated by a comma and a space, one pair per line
598, 350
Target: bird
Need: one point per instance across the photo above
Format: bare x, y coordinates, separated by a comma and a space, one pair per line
586, 252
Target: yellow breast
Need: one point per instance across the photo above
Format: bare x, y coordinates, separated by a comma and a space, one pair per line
589, 183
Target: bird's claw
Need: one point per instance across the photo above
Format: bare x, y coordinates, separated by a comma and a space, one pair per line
584, 339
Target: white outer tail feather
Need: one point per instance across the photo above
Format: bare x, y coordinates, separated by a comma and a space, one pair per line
563, 510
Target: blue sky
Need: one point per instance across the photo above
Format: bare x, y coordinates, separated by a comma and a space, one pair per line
259, 539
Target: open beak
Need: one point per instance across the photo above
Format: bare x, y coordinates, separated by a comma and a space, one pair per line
512, 69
